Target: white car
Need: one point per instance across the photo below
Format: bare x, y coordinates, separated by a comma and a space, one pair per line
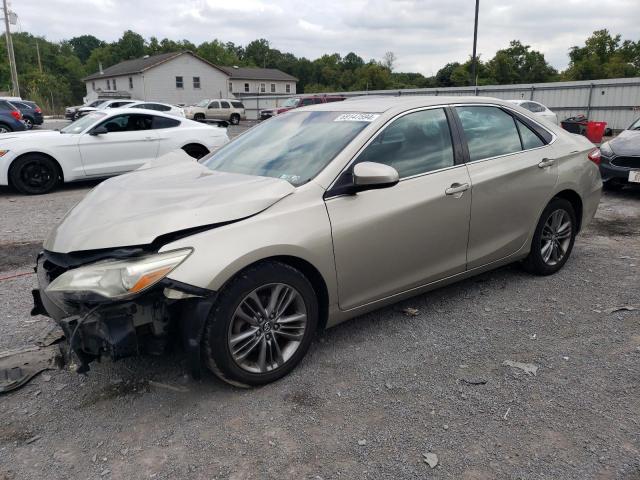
117, 103
100, 144
537, 108
158, 107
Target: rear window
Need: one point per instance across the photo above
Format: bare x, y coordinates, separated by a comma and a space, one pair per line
237, 104
163, 122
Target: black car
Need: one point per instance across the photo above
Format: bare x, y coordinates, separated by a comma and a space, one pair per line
620, 158
31, 112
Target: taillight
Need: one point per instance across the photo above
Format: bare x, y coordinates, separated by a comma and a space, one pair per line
38, 110
16, 114
594, 156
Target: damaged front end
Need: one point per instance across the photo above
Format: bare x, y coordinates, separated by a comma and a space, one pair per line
118, 303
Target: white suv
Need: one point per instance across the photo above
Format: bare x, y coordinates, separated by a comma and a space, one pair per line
225, 109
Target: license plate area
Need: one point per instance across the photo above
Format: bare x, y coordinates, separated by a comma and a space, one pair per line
634, 176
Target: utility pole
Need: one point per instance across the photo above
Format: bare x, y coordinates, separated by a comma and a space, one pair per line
474, 59
12, 58
38, 53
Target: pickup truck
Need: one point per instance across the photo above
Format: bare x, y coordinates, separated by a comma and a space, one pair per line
291, 103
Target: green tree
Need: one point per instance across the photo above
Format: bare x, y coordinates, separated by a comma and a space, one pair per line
84, 45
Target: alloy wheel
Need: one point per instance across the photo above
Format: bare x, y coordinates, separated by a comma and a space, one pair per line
28, 123
4, 129
267, 328
36, 174
556, 237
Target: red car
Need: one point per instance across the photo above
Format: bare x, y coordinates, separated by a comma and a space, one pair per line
291, 103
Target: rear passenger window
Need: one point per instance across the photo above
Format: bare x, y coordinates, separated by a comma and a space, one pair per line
163, 122
489, 132
224, 104
529, 139
237, 104
415, 143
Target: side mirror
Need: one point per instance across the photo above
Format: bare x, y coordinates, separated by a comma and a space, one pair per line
98, 131
371, 175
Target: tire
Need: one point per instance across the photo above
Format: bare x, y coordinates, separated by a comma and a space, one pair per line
234, 119
261, 363
199, 117
4, 128
28, 122
553, 237
195, 150
34, 174
612, 185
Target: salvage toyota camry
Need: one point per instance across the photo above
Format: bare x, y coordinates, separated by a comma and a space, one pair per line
307, 220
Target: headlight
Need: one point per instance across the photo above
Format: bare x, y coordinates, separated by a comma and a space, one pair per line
606, 150
116, 279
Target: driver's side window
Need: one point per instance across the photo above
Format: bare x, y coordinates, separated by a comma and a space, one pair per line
413, 144
127, 123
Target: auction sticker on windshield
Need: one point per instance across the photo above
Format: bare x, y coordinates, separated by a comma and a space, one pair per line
357, 117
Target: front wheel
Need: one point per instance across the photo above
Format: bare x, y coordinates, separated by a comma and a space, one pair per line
34, 174
28, 123
262, 325
553, 238
5, 128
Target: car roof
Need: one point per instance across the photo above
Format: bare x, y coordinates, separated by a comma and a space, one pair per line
404, 102
116, 111
136, 102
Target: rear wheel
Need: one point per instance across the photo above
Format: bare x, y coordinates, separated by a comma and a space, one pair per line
5, 128
262, 325
234, 119
199, 117
195, 150
553, 239
34, 174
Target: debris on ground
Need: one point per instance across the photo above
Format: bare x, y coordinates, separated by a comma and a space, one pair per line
51, 335
474, 380
528, 368
430, 459
19, 366
623, 308
166, 386
33, 439
411, 312
362, 442
504, 417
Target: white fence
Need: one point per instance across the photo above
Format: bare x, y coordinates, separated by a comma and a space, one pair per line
615, 101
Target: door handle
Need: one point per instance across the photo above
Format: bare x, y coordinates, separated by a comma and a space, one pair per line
546, 162
456, 188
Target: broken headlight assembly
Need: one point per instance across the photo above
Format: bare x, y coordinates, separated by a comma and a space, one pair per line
115, 279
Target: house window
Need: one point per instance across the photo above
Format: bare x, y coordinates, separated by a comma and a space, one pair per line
196, 82
230, 87
273, 88
114, 84
288, 88
246, 87
130, 83
108, 84
93, 86
263, 88
179, 82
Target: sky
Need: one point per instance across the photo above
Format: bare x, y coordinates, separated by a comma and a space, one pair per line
423, 34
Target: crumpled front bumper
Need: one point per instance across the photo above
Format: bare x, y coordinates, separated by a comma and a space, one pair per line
146, 324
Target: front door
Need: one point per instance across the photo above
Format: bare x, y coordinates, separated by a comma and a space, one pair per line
513, 172
391, 240
213, 110
129, 143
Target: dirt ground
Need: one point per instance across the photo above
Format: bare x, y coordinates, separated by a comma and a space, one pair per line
373, 396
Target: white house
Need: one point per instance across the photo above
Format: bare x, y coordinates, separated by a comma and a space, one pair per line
183, 78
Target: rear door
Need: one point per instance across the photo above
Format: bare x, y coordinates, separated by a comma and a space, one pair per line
213, 110
129, 143
513, 172
225, 110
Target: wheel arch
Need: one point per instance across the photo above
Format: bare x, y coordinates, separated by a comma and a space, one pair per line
576, 202
309, 271
195, 144
13, 162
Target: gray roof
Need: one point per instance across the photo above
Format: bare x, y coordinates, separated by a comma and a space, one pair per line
254, 73
138, 65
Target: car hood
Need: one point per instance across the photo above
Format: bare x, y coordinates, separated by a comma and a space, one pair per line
138, 207
627, 143
30, 137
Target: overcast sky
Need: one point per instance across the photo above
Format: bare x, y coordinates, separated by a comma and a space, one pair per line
424, 34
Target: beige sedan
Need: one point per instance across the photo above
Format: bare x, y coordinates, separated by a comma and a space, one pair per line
309, 219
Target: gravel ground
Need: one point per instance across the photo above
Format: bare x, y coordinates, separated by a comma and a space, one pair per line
373, 395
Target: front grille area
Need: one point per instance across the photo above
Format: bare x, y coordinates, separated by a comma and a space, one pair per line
626, 162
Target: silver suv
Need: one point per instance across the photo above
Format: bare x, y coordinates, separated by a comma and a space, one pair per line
222, 109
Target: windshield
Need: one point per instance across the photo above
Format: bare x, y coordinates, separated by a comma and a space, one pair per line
635, 125
294, 147
82, 123
202, 103
291, 102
